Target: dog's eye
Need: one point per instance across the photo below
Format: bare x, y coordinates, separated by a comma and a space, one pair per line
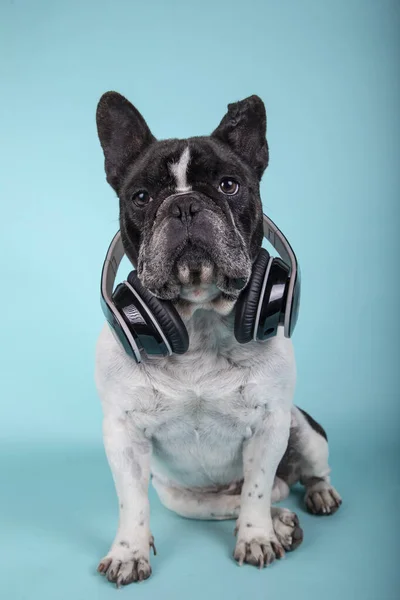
141, 198
229, 186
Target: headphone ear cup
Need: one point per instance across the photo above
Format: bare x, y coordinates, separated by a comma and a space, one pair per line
166, 315
247, 304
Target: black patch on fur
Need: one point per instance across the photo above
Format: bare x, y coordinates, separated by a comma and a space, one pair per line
316, 426
311, 481
261, 495
124, 544
249, 525
289, 468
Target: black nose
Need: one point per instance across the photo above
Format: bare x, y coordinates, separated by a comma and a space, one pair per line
184, 208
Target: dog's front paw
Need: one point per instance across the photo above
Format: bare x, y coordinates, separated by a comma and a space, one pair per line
322, 499
125, 564
257, 547
287, 528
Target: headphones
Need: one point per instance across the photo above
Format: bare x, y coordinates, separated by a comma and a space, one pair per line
145, 324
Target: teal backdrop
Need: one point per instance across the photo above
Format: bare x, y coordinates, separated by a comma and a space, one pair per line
329, 75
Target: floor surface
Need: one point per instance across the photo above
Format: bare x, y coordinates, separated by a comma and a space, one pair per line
60, 516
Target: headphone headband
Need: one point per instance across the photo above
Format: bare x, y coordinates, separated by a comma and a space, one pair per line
272, 233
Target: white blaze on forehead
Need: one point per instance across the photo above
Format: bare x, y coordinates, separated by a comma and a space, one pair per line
179, 171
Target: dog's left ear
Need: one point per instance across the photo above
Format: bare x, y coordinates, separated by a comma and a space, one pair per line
244, 129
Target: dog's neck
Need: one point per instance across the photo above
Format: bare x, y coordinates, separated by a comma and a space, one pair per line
209, 324
208, 328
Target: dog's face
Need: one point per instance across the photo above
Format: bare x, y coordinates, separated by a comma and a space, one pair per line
190, 210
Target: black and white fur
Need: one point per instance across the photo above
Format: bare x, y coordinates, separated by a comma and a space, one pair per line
216, 427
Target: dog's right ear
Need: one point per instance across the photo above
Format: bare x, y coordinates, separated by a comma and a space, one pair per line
123, 135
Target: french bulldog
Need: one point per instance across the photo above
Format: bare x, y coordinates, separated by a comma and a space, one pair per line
214, 429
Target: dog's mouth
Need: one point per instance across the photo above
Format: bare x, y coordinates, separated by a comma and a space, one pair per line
199, 293
196, 279
198, 263
196, 288
200, 279
197, 284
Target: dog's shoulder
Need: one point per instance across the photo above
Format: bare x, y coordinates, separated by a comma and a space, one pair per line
118, 378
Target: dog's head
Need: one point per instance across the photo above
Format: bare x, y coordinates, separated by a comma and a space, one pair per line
190, 210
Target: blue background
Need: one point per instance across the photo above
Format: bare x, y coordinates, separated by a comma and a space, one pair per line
329, 75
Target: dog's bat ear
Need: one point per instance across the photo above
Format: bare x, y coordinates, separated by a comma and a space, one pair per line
244, 129
123, 135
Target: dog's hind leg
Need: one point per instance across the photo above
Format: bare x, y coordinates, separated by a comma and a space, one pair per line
196, 504
306, 460
225, 504
217, 505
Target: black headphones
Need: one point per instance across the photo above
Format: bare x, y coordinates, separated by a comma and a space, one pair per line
143, 323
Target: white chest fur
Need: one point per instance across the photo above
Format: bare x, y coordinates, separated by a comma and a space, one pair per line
198, 408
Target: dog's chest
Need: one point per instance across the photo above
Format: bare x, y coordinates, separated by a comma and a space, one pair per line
214, 391
198, 408
199, 418
205, 395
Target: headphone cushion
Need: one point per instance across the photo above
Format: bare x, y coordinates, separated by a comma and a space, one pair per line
165, 314
247, 304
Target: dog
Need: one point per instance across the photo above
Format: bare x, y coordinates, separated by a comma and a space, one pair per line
214, 428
